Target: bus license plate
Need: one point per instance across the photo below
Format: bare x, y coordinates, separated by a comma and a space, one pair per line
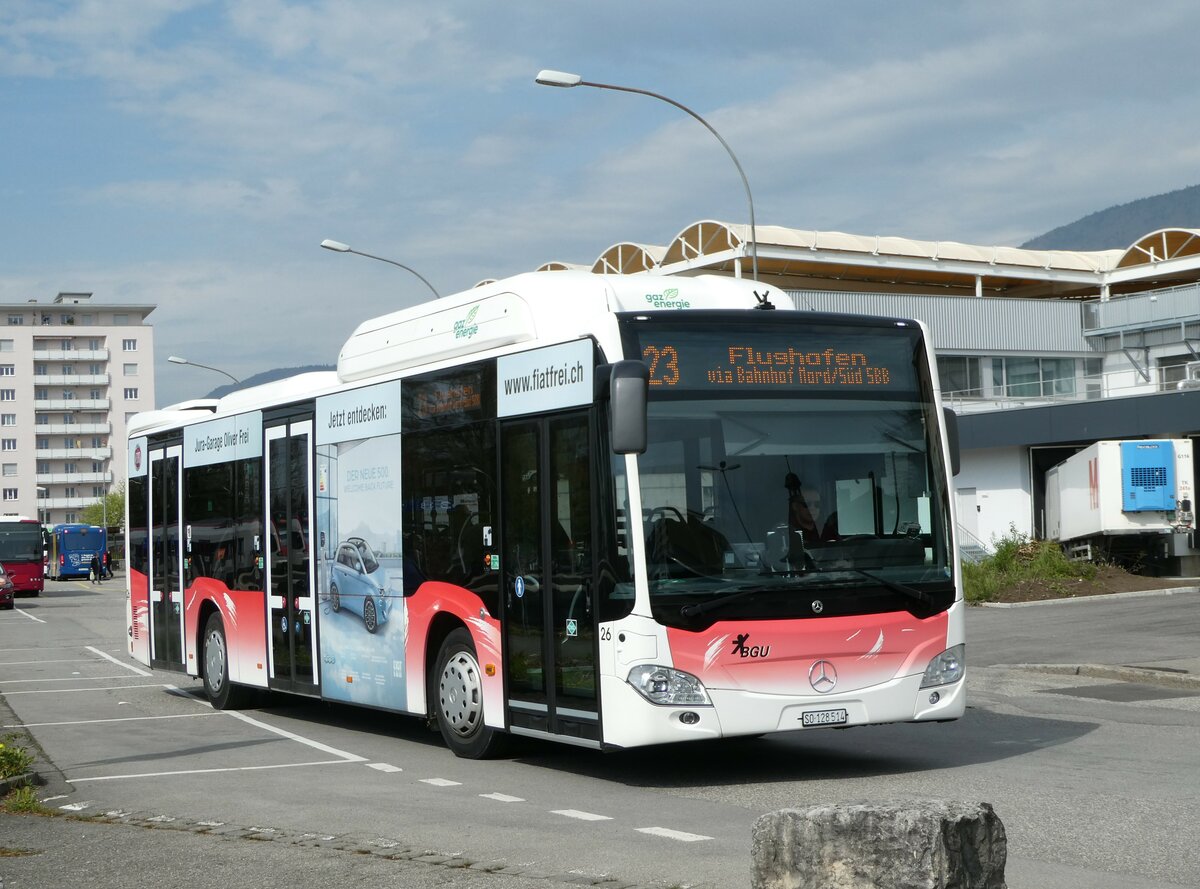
824, 717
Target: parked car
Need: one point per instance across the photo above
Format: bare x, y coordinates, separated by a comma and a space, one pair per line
358, 583
7, 594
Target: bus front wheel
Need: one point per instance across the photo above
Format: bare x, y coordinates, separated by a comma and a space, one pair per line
221, 693
456, 696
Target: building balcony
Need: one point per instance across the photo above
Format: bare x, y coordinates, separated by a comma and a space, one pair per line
73, 429
70, 379
73, 453
72, 404
66, 502
74, 478
70, 355
1150, 310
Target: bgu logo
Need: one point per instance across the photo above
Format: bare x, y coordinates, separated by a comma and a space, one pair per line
740, 648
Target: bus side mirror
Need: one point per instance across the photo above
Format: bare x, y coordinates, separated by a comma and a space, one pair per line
628, 384
952, 439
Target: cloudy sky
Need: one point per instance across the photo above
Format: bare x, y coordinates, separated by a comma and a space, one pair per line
194, 153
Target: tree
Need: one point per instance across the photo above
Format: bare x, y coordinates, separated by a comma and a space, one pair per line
109, 509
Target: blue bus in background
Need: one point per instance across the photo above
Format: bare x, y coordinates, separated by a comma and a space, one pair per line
70, 550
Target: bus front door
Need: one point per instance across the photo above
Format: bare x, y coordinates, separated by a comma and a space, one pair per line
546, 562
290, 584
166, 560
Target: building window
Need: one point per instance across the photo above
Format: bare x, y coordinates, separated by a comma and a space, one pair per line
94, 345
6, 345
8, 370
43, 467
95, 370
1026, 377
97, 466
8, 419
8, 444
68, 419
69, 467
69, 492
88, 320
41, 394
16, 320
67, 395
40, 370
10, 494
120, 320
67, 345
42, 419
128, 345
68, 370
8, 394
43, 443
94, 394
131, 393
10, 468
97, 490
131, 370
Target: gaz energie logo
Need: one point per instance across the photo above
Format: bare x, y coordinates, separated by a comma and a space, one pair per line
668, 299
466, 327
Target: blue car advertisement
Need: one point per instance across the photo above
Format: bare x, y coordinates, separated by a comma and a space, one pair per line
360, 581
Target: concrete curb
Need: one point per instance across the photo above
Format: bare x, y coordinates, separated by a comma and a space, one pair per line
1145, 675
29, 779
1137, 594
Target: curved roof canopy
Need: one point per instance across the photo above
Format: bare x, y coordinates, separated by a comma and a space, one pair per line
629, 259
1164, 244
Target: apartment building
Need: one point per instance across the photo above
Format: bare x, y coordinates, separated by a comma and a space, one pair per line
72, 372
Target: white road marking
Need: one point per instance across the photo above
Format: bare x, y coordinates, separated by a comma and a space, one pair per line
673, 834
119, 662
582, 816
441, 782
384, 767
75, 807
292, 736
60, 691
24, 613
75, 678
116, 719
285, 765
73, 660
502, 797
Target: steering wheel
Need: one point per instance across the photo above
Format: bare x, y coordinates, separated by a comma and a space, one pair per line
660, 512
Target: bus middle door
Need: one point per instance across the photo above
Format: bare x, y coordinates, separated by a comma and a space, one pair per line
546, 563
166, 560
287, 548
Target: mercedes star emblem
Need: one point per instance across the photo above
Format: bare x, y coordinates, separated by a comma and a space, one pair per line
822, 676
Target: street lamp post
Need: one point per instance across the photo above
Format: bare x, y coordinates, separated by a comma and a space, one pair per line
175, 359
339, 247
565, 80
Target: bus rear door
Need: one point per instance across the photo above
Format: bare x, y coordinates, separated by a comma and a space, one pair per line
549, 619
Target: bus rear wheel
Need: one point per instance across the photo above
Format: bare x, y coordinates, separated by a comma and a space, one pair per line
221, 693
456, 697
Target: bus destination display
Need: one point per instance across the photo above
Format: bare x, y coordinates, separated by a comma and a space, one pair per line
807, 360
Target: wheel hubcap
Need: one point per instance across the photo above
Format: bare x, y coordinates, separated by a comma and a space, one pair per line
461, 694
214, 661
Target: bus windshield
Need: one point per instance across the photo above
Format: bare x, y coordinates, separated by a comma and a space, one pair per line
792, 459
20, 542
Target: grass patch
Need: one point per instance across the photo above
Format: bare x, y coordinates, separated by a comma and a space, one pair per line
24, 801
1017, 560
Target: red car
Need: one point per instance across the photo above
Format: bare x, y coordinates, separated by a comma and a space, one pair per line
6, 590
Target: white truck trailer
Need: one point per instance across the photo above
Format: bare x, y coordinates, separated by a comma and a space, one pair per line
1131, 501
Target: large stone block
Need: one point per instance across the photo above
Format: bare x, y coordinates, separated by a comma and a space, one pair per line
916, 844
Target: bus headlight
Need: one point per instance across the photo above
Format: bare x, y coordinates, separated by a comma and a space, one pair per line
663, 685
947, 668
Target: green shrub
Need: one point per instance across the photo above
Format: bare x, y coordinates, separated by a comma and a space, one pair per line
1017, 559
24, 801
14, 759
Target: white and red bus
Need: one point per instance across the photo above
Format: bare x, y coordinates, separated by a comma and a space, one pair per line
22, 543
569, 506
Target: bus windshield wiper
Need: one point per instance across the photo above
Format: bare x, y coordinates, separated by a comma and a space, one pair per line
903, 589
698, 608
